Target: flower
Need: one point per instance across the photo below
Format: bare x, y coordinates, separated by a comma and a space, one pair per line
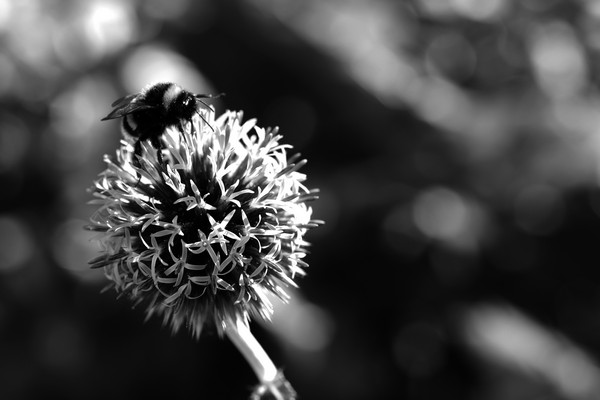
203, 232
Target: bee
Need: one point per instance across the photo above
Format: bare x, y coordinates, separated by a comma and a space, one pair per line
147, 114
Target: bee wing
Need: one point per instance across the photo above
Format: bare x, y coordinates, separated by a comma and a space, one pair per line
125, 106
124, 99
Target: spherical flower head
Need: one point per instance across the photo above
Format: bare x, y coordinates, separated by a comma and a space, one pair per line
203, 232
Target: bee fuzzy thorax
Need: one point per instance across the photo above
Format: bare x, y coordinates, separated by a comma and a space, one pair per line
171, 94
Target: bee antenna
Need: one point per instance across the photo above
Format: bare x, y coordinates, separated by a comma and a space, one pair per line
210, 107
199, 97
204, 119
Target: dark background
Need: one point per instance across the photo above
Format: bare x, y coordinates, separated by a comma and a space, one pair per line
456, 146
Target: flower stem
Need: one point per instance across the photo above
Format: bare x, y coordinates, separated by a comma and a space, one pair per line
273, 384
239, 333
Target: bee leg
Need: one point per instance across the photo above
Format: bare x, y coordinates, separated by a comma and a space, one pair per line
192, 130
158, 145
181, 126
137, 153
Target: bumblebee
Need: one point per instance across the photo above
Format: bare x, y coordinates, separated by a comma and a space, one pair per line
147, 114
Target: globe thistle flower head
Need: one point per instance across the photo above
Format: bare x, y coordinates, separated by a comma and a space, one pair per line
202, 232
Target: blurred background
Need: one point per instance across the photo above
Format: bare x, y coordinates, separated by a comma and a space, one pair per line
456, 144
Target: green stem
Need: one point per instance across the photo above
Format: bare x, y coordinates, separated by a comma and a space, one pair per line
239, 333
